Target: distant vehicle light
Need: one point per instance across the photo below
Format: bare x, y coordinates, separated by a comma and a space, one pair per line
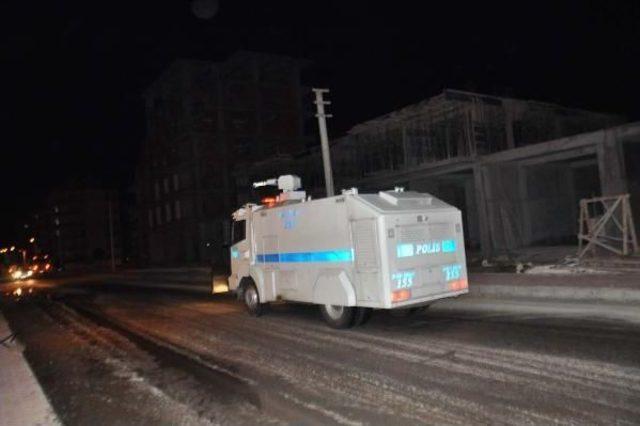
29, 273
18, 291
17, 274
47, 266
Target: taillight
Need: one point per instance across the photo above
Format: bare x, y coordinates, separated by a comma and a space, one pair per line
458, 285
400, 295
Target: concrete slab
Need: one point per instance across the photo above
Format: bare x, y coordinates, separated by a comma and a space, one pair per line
486, 305
600, 280
22, 401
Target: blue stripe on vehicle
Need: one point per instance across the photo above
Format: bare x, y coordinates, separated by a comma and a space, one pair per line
268, 258
312, 256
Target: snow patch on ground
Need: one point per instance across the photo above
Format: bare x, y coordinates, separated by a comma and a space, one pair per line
563, 270
123, 371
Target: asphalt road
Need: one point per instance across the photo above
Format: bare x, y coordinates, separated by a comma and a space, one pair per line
108, 354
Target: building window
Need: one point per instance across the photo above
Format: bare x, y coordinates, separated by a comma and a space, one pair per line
158, 216
176, 182
165, 181
150, 218
167, 211
178, 209
157, 190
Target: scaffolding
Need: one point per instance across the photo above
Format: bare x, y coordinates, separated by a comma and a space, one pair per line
607, 222
457, 124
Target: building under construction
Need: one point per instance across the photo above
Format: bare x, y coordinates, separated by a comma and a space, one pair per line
517, 168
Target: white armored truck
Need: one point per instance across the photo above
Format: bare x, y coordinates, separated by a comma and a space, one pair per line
349, 253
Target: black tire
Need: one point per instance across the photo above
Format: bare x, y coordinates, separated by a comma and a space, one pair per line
362, 316
251, 299
338, 316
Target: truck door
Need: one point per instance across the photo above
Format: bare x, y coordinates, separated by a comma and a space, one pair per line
240, 254
365, 239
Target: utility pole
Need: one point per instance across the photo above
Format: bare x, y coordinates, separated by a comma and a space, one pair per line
324, 138
113, 256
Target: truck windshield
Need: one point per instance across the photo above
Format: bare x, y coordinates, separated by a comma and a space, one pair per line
238, 231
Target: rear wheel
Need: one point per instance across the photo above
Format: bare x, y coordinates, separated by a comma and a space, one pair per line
251, 299
362, 316
338, 316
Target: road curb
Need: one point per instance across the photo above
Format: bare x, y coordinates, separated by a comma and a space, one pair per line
539, 307
575, 288
22, 400
565, 293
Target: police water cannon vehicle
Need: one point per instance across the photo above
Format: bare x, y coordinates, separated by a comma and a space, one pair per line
349, 253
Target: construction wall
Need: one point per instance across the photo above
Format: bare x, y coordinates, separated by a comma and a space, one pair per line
550, 204
501, 185
530, 205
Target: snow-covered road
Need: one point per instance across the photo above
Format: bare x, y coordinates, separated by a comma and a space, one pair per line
136, 355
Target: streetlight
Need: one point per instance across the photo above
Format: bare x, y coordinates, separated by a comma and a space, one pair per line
32, 240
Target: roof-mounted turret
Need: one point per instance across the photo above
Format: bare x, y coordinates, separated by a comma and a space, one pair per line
288, 184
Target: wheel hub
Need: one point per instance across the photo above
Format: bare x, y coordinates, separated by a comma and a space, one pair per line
251, 297
334, 311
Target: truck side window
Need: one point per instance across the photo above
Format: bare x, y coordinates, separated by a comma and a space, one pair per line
238, 231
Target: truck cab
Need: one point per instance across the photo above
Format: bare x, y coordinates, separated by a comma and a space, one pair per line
240, 249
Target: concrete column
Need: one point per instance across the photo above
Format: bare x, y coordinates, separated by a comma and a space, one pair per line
523, 201
486, 244
508, 107
406, 157
471, 211
613, 179
573, 202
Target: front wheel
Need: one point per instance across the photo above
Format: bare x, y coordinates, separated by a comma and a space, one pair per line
338, 316
252, 300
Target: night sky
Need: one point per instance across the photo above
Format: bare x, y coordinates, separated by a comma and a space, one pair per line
72, 73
